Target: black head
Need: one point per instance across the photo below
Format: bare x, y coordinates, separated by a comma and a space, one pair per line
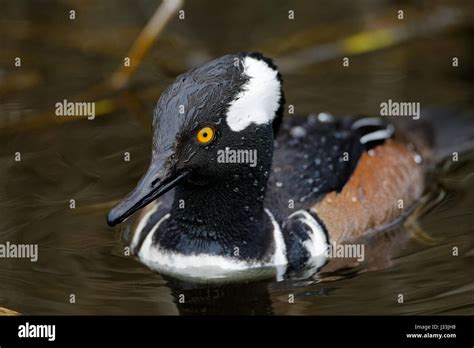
232, 103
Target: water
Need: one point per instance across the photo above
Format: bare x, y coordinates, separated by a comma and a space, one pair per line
84, 160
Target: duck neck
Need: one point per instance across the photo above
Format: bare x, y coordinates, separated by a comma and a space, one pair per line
222, 215
227, 202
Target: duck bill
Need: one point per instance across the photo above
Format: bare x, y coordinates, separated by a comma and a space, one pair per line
158, 180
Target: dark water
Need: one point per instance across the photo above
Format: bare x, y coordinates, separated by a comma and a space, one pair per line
83, 160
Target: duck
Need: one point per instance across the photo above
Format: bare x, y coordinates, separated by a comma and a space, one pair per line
234, 186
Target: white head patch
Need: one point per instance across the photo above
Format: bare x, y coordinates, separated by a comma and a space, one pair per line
259, 99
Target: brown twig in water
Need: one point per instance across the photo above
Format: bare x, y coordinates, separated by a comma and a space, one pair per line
7, 312
144, 41
371, 40
101, 93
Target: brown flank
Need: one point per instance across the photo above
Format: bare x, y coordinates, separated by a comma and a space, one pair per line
383, 176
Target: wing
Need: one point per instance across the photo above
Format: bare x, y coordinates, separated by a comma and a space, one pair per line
317, 155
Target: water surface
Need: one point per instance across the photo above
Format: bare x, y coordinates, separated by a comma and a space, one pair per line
83, 160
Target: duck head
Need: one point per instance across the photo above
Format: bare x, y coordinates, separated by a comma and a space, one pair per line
232, 103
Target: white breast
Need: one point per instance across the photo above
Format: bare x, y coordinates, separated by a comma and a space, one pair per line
209, 266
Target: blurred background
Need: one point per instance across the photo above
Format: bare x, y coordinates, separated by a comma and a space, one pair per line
405, 56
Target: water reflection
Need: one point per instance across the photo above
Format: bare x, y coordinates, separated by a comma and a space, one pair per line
250, 298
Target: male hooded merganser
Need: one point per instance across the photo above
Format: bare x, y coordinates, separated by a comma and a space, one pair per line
225, 193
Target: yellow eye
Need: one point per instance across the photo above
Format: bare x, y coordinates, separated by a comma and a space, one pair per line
205, 135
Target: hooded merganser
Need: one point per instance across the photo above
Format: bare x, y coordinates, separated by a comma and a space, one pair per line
225, 193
